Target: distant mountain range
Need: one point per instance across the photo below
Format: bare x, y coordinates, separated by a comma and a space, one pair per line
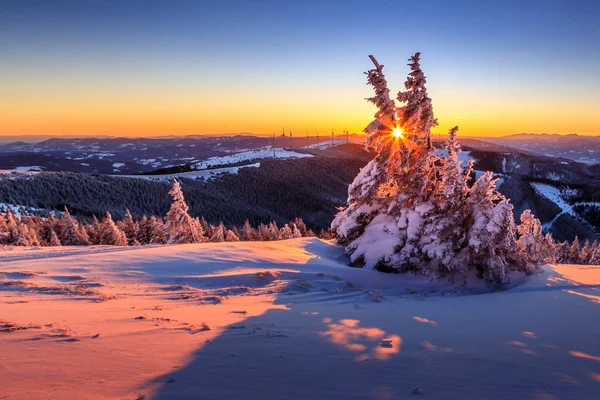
581, 148
112, 155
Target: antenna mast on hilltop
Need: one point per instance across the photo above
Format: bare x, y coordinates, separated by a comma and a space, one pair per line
317, 139
332, 137
347, 140
291, 141
273, 144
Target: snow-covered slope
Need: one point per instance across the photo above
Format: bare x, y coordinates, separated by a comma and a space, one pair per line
258, 154
554, 194
287, 320
20, 210
204, 175
326, 144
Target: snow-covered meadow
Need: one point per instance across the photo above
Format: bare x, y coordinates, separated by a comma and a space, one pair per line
285, 319
215, 166
245, 156
204, 174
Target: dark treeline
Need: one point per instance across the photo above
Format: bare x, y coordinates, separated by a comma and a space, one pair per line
177, 227
280, 191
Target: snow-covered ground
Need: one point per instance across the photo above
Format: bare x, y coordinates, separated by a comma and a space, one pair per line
197, 175
18, 171
29, 168
326, 144
258, 154
283, 320
20, 210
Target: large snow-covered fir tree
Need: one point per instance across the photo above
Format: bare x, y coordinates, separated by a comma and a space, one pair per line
410, 209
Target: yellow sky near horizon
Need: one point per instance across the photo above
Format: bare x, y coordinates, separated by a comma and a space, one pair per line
148, 116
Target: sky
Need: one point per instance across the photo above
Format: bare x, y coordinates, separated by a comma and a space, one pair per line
147, 68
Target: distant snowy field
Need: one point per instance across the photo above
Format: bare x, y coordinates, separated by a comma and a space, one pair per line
204, 175
206, 169
258, 154
285, 320
326, 144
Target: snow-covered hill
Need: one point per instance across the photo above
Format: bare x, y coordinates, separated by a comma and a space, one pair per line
251, 155
204, 174
326, 144
580, 148
285, 319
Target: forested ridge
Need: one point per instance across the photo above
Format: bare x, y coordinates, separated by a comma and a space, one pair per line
280, 190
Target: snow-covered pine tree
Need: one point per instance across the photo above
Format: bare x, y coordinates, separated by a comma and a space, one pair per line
263, 233
110, 234
3, 230
492, 240
301, 226
398, 179
29, 230
585, 255
218, 234
144, 232
548, 253
563, 252
158, 230
179, 226
231, 236
536, 247
71, 233
574, 251
94, 230
237, 233
248, 232
45, 228
443, 228
363, 202
326, 234
14, 235
54, 242
274, 233
19, 232
129, 226
411, 210
296, 232
34, 224
285, 232
205, 227
595, 259
418, 111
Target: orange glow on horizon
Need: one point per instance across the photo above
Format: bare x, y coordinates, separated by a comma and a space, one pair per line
37, 112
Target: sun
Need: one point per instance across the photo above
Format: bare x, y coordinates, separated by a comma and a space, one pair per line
397, 132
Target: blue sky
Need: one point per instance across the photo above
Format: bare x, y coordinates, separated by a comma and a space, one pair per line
484, 59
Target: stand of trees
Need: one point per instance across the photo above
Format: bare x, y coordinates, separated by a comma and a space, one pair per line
178, 227
414, 209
